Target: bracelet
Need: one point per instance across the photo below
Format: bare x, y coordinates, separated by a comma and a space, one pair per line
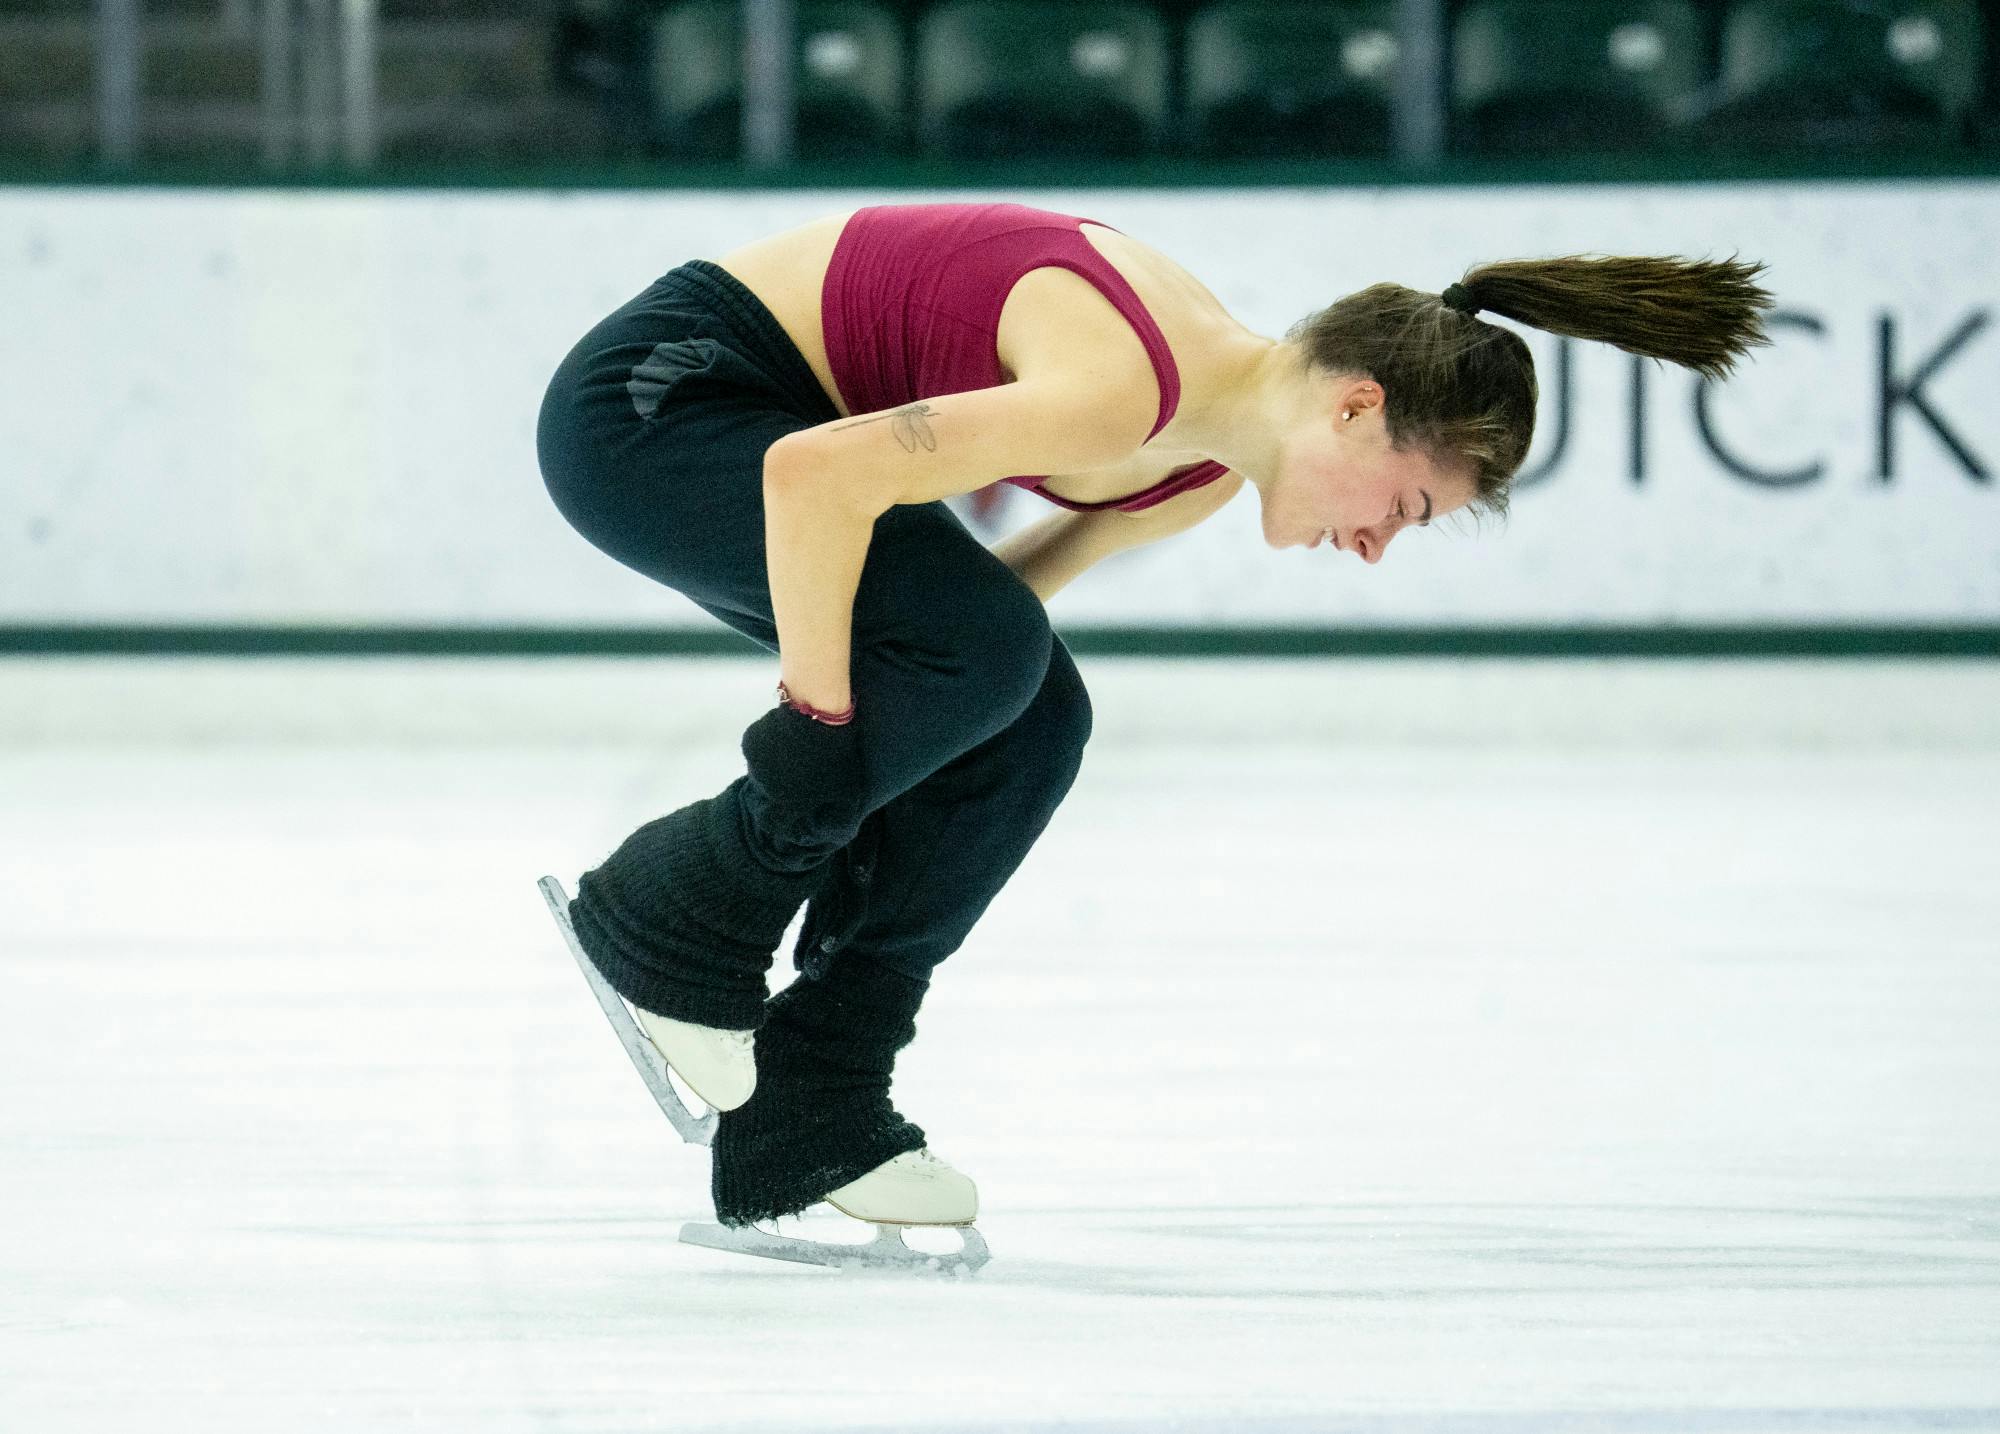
832, 719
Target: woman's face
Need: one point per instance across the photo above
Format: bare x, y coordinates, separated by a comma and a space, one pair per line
1341, 486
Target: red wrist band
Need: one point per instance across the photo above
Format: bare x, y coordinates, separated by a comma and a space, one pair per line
832, 719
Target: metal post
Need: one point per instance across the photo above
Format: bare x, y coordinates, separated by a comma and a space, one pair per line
118, 80
279, 91
1420, 82
357, 87
769, 100
317, 64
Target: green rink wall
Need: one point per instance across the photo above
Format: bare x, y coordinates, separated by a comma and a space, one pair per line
1745, 641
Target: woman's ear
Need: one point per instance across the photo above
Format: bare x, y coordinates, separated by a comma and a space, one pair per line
1362, 395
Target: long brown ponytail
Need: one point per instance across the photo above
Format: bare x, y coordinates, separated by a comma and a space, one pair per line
1465, 389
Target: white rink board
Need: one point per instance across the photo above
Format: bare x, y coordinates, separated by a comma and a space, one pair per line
274, 407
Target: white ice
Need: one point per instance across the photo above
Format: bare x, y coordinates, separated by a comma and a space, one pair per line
1427, 1076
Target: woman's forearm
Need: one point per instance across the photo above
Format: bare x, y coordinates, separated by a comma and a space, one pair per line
1049, 553
814, 547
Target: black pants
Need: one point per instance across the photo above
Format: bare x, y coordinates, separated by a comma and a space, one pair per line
971, 712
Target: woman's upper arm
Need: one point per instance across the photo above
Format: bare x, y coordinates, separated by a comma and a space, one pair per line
960, 442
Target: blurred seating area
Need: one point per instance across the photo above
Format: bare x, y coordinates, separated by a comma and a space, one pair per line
551, 80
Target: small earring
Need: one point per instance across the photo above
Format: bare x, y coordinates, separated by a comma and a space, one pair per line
1349, 417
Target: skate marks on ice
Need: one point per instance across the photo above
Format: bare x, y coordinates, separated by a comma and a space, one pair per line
889, 1250
1847, 1245
1637, 1421
1892, 1251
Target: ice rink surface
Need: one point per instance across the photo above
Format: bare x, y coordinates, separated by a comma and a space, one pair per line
1420, 1076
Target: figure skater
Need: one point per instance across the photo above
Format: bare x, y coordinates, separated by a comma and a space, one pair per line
773, 433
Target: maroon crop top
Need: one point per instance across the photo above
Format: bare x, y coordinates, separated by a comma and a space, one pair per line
911, 309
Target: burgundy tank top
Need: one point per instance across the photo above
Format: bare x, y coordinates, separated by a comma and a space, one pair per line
911, 309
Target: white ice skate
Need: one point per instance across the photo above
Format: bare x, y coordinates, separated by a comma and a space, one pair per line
645, 1054
719, 1066
914, 1189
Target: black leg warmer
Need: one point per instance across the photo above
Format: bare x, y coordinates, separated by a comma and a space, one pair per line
683, 922
821, 1115
683, 919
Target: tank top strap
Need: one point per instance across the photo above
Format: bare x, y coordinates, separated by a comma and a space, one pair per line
1101, 272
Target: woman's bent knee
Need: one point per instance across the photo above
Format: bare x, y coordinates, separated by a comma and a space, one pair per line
1069, 717
1013, 646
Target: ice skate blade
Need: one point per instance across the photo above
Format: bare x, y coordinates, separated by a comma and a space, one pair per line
652, 1066
887, 1251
